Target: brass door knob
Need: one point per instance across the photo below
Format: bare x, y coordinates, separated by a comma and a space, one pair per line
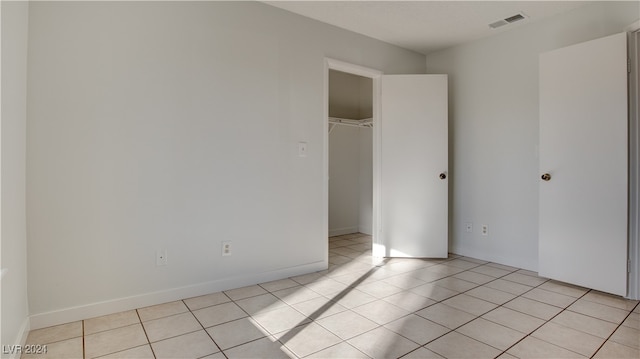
546, 177
443, 175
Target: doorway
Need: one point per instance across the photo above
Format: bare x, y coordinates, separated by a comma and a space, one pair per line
350, 154
634, 159
409, 168
366, 81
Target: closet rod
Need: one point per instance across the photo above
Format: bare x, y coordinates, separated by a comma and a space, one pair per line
367, 122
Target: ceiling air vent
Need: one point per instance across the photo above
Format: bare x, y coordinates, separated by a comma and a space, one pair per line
508, 20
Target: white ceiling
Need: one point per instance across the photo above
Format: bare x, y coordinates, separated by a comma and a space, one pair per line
425, 26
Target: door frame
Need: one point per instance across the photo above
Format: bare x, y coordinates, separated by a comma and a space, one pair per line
378, 248
633, 49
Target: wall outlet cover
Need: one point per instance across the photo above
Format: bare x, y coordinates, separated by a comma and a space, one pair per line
226, 248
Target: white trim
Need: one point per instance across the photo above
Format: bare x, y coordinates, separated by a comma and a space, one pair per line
352, 69
21, 339
72, 314
325, 159
375, 76
633, 291
633, 27
379, 247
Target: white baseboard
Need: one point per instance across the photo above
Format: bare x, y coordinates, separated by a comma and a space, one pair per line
513, 262
341, 231
72, 314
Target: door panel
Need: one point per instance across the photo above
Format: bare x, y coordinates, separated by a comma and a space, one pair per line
413, 154
583, 147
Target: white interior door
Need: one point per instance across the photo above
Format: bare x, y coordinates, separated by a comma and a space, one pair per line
583, 147
413, 157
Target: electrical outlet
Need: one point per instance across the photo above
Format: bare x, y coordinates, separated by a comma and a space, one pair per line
468, 226
485, 230
161, 257
226, 248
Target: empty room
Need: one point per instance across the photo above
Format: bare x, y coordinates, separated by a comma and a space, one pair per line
319, 179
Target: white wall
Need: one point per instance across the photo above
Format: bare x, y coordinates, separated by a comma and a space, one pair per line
344, 180
494, 129
350, 180
175, 125
13, 247
350, 96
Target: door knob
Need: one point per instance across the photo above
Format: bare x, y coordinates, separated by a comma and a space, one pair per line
546, 177
443, 175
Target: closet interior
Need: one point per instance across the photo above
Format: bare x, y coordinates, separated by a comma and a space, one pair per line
350, 154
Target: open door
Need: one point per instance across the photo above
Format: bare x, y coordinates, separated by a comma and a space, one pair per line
413, 173
583, 164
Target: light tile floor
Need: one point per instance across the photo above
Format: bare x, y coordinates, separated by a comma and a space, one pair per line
365, 307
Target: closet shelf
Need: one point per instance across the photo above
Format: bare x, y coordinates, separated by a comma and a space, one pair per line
334, 121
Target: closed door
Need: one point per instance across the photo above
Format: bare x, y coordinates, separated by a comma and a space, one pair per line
413, 166
583, 164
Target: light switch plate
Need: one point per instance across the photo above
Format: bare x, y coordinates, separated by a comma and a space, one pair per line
161, 257
468, 226
302, 149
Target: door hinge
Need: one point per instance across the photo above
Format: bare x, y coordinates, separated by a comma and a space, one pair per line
628, 265
629, 65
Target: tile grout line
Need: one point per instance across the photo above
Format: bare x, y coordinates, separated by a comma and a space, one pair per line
563, 309
547, 321
437, 302
500, 305
230, 301
203, 328
341, 294
360, 281
477, 285
108, 330
476, 316
447, 262
615, 330
248, 316
146, 335
461, 325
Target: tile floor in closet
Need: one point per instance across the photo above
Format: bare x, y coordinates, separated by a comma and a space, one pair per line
361, 307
